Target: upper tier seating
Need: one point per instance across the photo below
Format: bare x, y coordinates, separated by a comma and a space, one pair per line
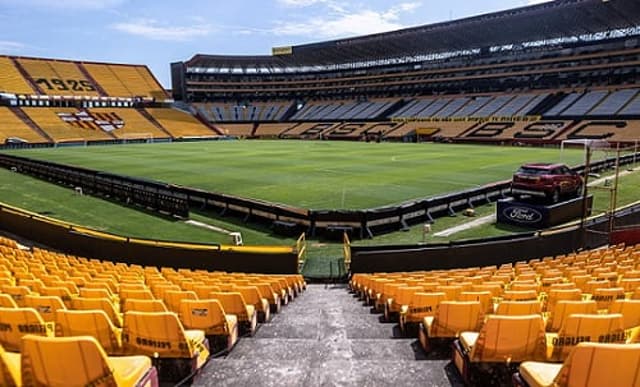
11, 81
126, 80
58, 77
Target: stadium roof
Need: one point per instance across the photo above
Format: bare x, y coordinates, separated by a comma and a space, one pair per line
542, 22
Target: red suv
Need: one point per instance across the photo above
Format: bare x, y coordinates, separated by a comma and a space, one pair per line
546, 180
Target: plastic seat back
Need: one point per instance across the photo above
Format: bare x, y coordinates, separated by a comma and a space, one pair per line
597, 364
520, 295
173, 298
203, 291
47, 306
564, 309
518, 308
454, 317
510, 339
233, 303
606, 296
132, 304
17, 293
207, 315
93, 323
72, 361
485, 299
17, 322
9, 369
577, 328
424, 304
556, 295
630, 310
6, 301
104, 304
152, 333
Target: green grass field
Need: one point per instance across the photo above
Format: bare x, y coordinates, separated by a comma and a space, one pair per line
316, 175
286, 175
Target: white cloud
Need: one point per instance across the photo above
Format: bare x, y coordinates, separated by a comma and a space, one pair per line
8, 46
344, 22
152, 29
532, 2
65, 4
300, 3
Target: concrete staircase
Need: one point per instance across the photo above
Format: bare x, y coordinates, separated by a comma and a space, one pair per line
326, 337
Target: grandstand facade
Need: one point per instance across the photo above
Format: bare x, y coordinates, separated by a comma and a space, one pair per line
576, 78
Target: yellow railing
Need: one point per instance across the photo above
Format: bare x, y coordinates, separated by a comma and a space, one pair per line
346, 251
301, 248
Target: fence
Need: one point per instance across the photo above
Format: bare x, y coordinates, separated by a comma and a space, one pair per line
176, 199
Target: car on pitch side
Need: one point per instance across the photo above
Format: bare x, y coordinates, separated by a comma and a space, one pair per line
547, 180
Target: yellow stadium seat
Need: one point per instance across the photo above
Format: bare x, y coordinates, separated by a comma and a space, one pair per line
132, 304
422, 305
520, 295
563, 309
605, 297
518, 308
555, 295
203, 291
173, 298
17, 322
588, 365
401, 296
234, 303
502, 339
252, 296
6, 301
179, 352
35, 285
80, 361
630, 311
17, 293
485, 298
104, 304
451, 318
10, 369
602, 328
47, 306
58, 291
209, 316
267, 292
94, 323
135, 294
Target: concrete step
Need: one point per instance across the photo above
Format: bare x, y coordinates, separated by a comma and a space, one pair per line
326, 337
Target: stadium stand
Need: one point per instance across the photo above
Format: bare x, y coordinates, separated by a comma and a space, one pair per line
11, 81
168, 331
51, 121
126, 80
561, 301
133, 123
58, 77
180, 124
13, 127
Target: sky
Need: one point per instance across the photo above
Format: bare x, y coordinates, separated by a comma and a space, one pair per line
158, 32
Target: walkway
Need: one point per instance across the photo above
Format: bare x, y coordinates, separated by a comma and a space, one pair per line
326, 337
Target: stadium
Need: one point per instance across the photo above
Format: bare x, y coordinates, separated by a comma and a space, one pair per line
335, 213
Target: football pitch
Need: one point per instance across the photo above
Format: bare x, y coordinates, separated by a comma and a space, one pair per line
312, 174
